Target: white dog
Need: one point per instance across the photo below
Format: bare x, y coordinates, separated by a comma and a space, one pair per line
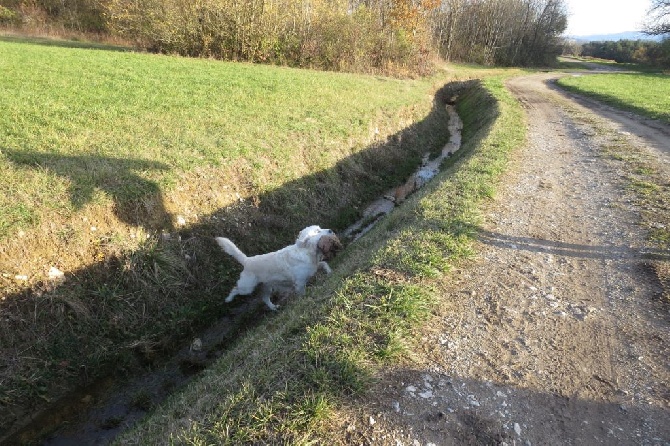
288, 269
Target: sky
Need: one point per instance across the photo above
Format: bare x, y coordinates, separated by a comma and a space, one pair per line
586, 17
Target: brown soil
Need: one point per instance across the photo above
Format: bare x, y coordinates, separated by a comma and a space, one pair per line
559, 332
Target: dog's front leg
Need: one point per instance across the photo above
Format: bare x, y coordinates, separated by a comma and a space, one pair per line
266, 293
299, 286
324, 266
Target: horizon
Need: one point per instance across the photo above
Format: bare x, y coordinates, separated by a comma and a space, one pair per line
605, 17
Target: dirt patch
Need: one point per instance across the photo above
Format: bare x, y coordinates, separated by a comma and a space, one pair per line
554, 334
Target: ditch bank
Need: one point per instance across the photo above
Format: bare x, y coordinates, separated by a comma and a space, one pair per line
100, 408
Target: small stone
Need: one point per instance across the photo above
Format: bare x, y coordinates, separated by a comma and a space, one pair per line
396, 406
56, 274
410, 389
181, 221
372, 421
517, 429
426, 394
196, 346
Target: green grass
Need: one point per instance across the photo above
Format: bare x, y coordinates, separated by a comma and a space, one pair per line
285, 382
645, 94
129, 125
102, 151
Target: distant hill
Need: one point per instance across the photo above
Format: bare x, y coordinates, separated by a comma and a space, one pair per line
626, 35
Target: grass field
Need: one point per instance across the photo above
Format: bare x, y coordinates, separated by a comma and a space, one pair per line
129, 124
118, 168
645, 94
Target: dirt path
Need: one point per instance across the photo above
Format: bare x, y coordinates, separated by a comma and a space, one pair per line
557, 335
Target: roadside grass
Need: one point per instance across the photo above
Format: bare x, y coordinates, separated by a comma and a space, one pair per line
118, 168
645, 94
285, 381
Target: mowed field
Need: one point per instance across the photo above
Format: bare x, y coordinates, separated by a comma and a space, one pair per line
647, 94
118, 168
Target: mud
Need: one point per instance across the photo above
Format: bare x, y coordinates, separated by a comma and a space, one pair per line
97, 414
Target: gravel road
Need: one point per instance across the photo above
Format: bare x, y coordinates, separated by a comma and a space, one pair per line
557, 333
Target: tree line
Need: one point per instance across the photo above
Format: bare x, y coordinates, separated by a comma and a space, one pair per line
646, 52
390, 36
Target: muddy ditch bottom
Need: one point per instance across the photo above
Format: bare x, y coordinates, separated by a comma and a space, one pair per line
385, 204
98, 413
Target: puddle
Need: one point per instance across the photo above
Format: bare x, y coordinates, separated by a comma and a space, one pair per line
385, 204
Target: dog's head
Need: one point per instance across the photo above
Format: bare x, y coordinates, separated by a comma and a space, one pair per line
329, 245
309, 233
324, 240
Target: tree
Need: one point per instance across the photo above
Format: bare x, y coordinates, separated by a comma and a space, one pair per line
658, 18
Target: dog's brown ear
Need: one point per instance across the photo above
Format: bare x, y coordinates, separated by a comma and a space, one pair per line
329, 245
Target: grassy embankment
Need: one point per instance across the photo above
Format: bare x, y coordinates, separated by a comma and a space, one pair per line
285, 381
118, 168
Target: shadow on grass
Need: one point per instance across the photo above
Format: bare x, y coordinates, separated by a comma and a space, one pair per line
617, 102
137, 201
62, 43
131, 310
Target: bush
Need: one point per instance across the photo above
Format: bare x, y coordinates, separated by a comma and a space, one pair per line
325, 36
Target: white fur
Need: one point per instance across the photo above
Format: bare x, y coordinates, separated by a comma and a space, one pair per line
288, 269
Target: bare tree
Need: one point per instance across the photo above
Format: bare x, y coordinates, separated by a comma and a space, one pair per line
658, 18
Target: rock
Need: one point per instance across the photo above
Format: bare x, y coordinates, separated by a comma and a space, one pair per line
196, 346
56, 274
427, 394
517, 429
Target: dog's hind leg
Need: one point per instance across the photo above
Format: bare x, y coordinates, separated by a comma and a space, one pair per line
266, 293
234, 292
245, 285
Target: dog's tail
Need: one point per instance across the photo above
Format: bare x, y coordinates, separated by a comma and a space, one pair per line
231, 249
